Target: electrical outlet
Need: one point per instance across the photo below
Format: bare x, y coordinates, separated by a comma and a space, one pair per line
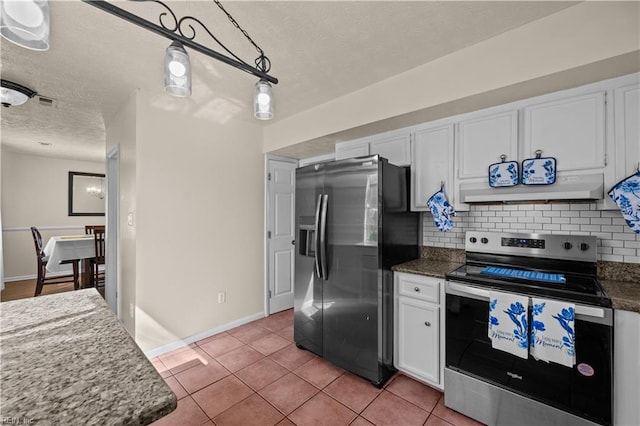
222, 297
131, 310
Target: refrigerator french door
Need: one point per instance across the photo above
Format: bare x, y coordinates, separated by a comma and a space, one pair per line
353, 224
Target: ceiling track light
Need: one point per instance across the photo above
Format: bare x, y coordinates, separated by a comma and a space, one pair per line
183, 33
25, 23
12, 94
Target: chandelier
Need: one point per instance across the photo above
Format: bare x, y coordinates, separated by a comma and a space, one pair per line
96, 192
182, 33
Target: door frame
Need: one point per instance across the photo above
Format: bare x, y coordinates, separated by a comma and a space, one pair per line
112, 283
267, 216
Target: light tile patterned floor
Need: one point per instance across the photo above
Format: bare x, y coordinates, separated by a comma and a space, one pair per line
255, 375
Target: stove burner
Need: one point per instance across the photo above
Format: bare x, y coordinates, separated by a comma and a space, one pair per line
526, 275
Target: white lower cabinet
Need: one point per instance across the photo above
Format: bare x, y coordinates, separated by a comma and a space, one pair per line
626, 368
418, 327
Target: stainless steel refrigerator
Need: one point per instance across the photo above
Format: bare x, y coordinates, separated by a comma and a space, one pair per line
353, 223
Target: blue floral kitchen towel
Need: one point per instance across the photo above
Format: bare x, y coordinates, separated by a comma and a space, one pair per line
553, 332
441, 210
626, 194
508, 328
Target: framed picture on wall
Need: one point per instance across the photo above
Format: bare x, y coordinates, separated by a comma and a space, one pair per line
86, 194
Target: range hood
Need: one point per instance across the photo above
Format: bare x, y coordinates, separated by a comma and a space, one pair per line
566, 187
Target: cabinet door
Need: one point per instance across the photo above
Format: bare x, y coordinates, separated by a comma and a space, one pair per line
627, 113
352, 149
482, 140
431, 165
626, 369
396, 149
572, 130
419, 338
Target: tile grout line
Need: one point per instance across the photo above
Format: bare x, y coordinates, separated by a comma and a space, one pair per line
322, 390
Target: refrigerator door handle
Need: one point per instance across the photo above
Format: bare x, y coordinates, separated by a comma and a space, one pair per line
316, 232
323, 237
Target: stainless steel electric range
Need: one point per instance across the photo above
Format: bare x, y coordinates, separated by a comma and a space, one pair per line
498, 388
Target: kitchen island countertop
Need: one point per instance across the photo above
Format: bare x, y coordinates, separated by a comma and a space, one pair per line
65, 359
625, 295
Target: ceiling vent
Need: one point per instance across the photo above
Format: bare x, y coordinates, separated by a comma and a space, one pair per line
47, 102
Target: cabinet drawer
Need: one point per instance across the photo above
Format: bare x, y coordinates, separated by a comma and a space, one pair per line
419, 287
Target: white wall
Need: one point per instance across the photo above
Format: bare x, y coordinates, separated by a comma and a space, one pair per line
196, 188
34, 193
576, 36
121, 131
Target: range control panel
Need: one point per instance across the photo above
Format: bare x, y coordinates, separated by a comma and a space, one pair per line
523, 242
554, 246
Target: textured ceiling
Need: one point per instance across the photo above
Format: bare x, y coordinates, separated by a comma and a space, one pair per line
319, 51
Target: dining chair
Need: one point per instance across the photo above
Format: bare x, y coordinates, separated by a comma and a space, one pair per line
90, 229
97, 274
42, 278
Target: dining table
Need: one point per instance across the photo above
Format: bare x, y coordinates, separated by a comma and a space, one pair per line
71, 247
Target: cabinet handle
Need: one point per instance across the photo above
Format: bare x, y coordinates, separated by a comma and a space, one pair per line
417, 289
427, 323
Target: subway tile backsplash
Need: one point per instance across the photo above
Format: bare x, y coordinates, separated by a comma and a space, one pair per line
616, 241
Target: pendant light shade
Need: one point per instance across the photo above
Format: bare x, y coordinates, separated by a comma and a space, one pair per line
177, 70
263, 100
25, 23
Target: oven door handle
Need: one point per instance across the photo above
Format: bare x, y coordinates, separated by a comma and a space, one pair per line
582, 312
468, 291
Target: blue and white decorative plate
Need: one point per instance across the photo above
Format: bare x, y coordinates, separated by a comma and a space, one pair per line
626, 194
539, 171
503, 174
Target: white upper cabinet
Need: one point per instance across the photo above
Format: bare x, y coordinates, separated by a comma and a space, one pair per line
394, 147
483, 139
627, 128
571, 129
352, 149
431, 164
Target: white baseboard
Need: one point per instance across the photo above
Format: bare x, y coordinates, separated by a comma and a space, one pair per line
19, 278
33, 277
199, 336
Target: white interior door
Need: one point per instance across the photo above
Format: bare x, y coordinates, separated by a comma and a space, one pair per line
281, 234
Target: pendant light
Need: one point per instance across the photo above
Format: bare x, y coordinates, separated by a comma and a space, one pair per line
177, 67
25, 23
177, 70
12, 94
263, 100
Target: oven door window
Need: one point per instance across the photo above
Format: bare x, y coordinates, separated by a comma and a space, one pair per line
469, 351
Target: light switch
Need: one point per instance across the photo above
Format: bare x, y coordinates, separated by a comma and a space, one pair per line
130, 219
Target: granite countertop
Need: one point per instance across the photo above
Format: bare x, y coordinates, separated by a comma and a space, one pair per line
65, 359
625, 295
428, 267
